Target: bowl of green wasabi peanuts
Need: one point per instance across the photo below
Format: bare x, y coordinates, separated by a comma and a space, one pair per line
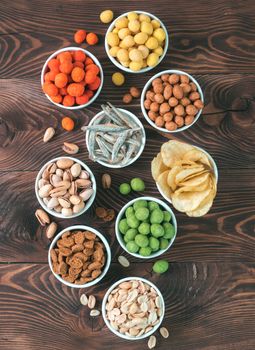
146, 227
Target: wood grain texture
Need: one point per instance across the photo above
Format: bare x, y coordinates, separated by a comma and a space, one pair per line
209, 37
205, 303
209, 289
225, 234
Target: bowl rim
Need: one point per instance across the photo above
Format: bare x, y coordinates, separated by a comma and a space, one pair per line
88, 53
90, 201
113, 286
120, 215
215, 170
145, 89
143, 70
137, 120
107, 248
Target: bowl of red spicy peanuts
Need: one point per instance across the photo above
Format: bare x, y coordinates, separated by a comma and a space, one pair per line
72, 78
172, 101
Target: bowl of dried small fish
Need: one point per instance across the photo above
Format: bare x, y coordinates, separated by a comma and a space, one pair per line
115, 137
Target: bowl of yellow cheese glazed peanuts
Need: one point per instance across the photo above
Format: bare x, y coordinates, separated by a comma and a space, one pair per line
136, 42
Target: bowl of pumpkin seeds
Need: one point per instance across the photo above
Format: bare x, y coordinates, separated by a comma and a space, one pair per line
115, 137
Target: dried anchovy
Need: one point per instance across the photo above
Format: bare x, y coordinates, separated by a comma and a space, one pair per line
111, 116
119, 143
114, 137
101, 145
124, 118
105, 128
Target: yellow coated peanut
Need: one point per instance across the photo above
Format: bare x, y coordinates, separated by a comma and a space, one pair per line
118, 79
106, 16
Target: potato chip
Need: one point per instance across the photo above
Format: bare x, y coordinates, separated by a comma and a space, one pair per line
173, 151
171, 177
187, 173
197, 155
196, 180
204, 206
157, 167
162, 182
189, 201
203, 186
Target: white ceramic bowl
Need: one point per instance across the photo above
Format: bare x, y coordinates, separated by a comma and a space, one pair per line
132, 116
119, 235
128, 70
105, 301
107, 251
87, 204
89, 54
215, 171
148, 85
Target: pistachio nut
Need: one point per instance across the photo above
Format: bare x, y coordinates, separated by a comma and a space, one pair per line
46, 200
52, 203
86, 194
60, 172
78, 207
84, 175
66, 211
75, 199
45, 174
75, 169
51, 230
54, 179
58, 209
58, 192
44, 191
64, 163
52, 167
70, 148
42, 182
65, 184
106, 181
67, 176
49, 133
42, 217
73, 188
83, 183
64, 202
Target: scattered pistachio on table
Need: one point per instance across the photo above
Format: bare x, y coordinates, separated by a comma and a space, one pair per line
106, 181
51, 230
49, 133
70, 148
42, 217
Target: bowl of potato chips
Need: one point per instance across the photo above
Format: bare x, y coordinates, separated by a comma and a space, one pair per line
186, 176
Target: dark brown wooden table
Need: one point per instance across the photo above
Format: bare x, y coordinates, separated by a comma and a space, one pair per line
209, 289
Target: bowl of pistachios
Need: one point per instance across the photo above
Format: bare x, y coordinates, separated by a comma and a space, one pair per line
115, 137
65, 187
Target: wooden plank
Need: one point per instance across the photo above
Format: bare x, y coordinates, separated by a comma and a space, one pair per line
208, 307
212, 37
225, 234
225, 129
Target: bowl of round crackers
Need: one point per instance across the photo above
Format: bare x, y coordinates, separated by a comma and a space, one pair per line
186, 176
